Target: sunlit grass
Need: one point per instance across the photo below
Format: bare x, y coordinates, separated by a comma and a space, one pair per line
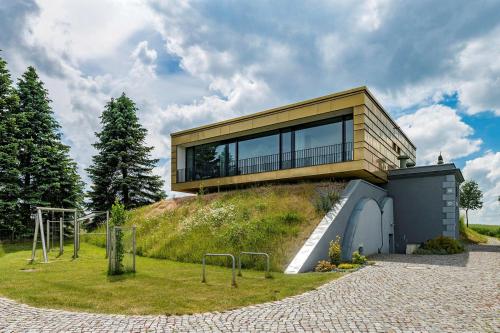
276, 219
158, 287
469, 234
486, 229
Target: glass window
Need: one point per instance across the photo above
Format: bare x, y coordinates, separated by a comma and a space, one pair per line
209, 161
231, 159
318, 145
318, 136
349, 139
258, 154
189, 164
286, 149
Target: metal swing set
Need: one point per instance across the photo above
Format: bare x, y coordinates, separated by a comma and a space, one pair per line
46, 237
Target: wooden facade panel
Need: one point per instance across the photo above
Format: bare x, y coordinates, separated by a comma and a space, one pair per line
303, 112
224, 130
324, 107
241, 126
374, 133
358, 119
358, 110
209, 133
265, 121
299, 173
348, 101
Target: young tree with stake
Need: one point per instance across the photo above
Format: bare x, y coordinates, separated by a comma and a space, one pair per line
470, 198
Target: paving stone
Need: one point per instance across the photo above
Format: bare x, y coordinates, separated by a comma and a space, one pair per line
456, 293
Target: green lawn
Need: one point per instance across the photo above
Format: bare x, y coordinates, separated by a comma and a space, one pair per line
158, 287
486, 229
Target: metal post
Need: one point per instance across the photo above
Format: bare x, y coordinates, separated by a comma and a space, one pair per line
75, 233
48, 235
44, 248
267, 275
133, 248
61, 236
107, 235
78, 234
35, 238
233, 279
233, 282
203, 270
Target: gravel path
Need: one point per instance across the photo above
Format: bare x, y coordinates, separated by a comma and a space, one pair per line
458, 293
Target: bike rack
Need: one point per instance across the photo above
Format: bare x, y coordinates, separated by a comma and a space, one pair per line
204, 280
266, 275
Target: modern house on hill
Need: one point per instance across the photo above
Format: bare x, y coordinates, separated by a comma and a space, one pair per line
342, 135
389, 204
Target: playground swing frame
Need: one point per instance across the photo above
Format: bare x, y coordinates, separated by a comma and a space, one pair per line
39, 228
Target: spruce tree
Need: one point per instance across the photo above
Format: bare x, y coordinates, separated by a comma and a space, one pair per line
122, 168
48, 175
9, 164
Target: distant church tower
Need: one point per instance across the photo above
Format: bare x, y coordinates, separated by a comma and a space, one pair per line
440, 159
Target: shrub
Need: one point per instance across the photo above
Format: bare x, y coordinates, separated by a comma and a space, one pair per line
324, 266
335, 251
118, 218
441, 245
290, 217
358, 258
326, 200
347, 266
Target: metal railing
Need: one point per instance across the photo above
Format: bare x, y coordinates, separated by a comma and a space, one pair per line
267, 275
204, 279
287, 160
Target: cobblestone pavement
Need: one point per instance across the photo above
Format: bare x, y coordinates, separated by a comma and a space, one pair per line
458, 293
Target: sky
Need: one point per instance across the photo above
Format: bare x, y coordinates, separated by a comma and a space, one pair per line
433, 65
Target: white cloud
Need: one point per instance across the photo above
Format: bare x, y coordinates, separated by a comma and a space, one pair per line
478, 62
235, 58
485, 170
144, 60
87, 29
436, 129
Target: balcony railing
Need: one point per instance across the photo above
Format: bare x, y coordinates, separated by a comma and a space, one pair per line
287, 160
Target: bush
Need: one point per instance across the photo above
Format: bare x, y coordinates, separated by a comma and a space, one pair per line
118, 218
441, 245
335, 251
358, 258
324, 266
290, 218
347, 266
326, 200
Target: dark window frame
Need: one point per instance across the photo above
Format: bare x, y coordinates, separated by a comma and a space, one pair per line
289, 129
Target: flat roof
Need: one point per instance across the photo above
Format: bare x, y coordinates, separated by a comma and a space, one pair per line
427, 170
315, 100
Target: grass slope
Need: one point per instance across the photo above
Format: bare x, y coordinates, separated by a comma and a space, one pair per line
486, 229
470, 235
275, 219
158, 287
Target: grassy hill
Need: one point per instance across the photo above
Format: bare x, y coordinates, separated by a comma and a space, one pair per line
276, 219
469, 234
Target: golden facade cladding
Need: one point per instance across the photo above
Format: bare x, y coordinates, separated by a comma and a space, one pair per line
377, 140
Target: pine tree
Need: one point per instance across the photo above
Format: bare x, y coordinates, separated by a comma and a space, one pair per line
123, 167
48, 175
9, 164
